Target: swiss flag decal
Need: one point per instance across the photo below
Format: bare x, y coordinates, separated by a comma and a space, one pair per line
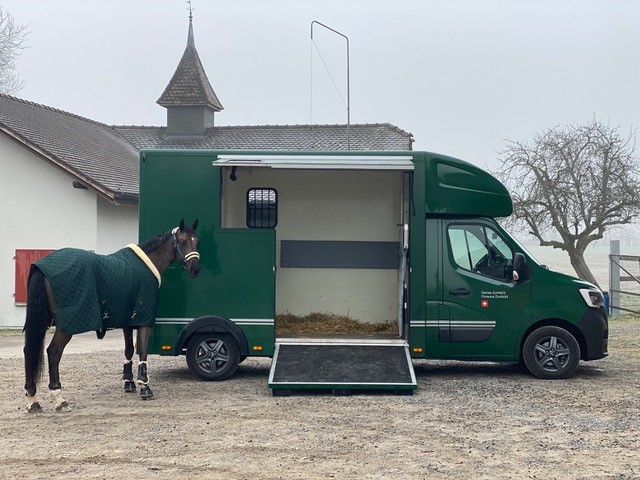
484, 303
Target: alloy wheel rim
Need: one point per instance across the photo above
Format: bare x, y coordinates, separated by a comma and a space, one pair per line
552, 354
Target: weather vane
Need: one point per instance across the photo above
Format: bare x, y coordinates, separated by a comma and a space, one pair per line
190, 10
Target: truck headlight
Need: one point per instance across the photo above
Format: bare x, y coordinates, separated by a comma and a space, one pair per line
593, 298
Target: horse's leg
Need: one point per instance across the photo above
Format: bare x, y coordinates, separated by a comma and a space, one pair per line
143, 374
127, 370
54, 354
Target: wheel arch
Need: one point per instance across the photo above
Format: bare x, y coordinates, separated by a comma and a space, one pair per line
212, 324
556, 322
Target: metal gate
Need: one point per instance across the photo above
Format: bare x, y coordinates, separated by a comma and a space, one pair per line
624, 281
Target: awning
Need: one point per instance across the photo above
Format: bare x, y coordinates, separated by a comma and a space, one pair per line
402, 163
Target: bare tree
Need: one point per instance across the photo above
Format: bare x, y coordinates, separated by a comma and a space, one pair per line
571, 183
12, 42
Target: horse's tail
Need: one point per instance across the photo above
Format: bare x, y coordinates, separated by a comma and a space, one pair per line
36, 324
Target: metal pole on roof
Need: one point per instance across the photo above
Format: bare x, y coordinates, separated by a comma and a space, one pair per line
348, 82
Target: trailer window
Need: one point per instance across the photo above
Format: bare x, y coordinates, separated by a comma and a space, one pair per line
482, 250
262, 208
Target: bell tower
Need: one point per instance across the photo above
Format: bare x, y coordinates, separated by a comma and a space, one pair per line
189, 98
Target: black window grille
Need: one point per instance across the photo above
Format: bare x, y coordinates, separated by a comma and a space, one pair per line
262, 208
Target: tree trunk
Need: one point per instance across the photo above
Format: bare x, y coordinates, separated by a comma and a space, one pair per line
582, 269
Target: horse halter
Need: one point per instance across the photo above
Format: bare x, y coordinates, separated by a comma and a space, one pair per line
176, 247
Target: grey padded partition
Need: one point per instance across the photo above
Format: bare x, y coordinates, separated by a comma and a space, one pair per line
339, 254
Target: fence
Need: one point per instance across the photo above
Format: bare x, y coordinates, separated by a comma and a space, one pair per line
624, 281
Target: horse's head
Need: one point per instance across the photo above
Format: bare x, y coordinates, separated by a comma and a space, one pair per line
185, 247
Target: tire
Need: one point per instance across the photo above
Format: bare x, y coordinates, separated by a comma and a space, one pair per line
551, 352
213, 356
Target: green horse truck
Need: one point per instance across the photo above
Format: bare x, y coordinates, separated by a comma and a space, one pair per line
409, 239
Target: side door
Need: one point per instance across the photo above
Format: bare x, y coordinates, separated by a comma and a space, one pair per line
485, 308
243, 283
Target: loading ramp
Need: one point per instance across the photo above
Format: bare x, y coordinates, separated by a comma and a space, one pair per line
341, 366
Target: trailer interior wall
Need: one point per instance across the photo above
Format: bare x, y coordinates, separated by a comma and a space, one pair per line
327, 205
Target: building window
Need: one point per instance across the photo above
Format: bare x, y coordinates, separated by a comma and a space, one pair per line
262, 208
24, 259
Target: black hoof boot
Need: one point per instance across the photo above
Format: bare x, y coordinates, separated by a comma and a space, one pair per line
146, 393
127, 375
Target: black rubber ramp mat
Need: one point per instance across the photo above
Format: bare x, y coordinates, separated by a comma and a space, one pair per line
321, 365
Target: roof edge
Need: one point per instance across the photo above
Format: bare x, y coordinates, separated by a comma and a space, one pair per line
53, 109
308, 125
105, 192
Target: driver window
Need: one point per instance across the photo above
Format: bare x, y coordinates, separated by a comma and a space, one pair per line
482, 250
500, 245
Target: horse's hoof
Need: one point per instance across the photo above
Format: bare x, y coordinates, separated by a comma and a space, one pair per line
62, 407
146, 393
129, 386
34, 408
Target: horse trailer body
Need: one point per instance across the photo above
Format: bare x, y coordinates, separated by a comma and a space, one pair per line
403, 237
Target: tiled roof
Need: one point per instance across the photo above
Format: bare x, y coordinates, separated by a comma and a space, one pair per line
379, 136
105, 157
92, 152
189, 84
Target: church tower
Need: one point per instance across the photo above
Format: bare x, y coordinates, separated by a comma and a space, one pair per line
189, 98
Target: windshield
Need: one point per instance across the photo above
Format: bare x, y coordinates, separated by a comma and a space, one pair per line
524, 249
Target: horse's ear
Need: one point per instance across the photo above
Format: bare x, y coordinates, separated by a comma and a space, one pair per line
181, 224
195, 225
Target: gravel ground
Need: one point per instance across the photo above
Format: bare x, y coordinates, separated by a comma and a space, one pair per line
467, 420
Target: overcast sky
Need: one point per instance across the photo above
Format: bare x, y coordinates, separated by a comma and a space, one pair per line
460, 75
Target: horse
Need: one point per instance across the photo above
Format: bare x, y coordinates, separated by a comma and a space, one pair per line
79, 291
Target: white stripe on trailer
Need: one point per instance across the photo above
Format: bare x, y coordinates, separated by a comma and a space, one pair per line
453, 323
472, 323
237, 321
253, 321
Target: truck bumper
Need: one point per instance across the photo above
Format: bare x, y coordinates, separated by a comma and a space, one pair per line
595, 329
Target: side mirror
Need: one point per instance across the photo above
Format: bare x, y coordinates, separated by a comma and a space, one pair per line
521, 271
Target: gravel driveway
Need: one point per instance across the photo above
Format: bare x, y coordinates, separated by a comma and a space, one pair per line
466, 420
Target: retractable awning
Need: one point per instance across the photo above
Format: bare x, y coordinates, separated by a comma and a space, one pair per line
402, 163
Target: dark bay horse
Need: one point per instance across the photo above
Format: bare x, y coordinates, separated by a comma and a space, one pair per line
79, 291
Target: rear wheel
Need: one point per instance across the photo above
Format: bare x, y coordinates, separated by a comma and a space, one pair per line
213, 356
551, 352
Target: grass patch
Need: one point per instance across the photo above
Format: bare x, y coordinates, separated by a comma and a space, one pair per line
10, 332
317, 323
625, 318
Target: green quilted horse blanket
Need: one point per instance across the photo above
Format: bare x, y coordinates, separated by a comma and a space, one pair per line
99, 292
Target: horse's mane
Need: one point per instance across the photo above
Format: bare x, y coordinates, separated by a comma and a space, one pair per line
159, 240
154, 242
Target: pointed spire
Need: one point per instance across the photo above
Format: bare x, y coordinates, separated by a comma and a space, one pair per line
189, 84
191, 42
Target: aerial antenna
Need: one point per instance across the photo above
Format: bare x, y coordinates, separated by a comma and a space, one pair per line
348, 83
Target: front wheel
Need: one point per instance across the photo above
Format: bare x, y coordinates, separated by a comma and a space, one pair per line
551, 352
213, 356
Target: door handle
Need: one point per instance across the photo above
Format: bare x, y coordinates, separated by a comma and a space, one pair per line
460, 292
